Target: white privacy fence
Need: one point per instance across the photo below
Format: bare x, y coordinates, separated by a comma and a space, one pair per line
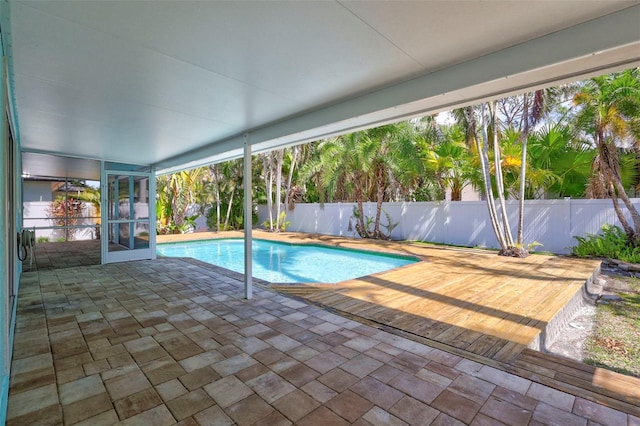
554, 223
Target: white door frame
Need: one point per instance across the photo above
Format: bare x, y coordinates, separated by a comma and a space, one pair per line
132, 253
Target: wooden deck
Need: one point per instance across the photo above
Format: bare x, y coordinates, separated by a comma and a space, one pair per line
592, 383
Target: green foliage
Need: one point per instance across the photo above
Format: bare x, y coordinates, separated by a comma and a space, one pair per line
421, 159
236, 215
447, 160
212, 220
189, 225
42, 240
390, 226
92, 196
369, 223
378, 164
364, 226
176, 194
609, 115
281, 224
530, 247
554, 148
613, 243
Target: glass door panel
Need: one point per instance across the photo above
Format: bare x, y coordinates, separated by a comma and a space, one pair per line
130, 217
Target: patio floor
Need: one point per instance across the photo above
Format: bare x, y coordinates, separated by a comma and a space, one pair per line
172, 340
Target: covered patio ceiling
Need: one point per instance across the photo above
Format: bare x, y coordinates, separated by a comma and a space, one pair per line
177, 84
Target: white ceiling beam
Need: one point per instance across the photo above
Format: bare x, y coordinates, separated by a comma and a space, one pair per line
604, 44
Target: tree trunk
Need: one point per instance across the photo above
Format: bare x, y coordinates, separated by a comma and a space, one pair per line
380, 198
616, 207
268, 186
177, 200
294, 159
523, 170
216, 182
363, 232
613, 178
488, 192
471, 135
456, 192
633, 233
226, 219
279, 159
483, 152
442, 186
499, 179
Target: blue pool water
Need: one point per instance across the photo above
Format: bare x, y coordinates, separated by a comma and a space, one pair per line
287, 263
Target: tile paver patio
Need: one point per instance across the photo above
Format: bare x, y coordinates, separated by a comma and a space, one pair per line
109, 350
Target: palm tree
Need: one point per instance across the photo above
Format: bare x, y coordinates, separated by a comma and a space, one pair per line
292, 156
92, 196
364, 166
610, 114
467, 118
563, 161
449, 159
216, 178
233, 172
537, 179
267, 176
499, 219
176, 195
519, 116
498, 174
163, 205
272, 162
390, 152
339, 166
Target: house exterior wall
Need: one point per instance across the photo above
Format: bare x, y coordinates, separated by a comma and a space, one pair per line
37, 191
554, 223
5, 332
10, 218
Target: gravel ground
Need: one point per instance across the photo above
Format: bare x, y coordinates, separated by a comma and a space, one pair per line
571, 342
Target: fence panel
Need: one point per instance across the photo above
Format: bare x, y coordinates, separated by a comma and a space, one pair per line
554, 223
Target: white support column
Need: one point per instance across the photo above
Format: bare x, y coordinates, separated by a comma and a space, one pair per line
248, 219
104, 209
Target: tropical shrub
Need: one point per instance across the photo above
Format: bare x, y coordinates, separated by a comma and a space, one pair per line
232, 217
612, 243
365, 228
175, 200
280, 225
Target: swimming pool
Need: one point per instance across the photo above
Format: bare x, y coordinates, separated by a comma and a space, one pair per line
287, 263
